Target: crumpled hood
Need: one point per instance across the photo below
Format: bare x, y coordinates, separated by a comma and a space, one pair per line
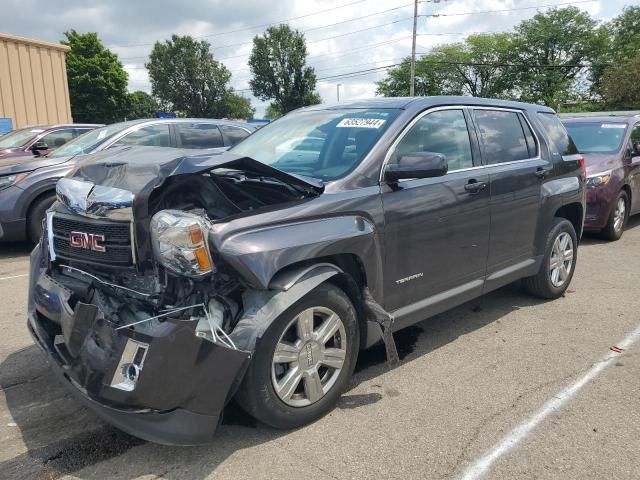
600, 162
13, 165
140, 170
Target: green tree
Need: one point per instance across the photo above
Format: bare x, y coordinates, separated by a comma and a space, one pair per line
272, 112
141, 105
625, 33
187, 79
97, 80
554, 49
279, 71
619, 87
473, 67
432, 78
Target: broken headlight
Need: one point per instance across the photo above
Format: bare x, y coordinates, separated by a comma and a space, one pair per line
180, 242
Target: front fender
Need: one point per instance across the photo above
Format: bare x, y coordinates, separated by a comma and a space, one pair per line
258, 254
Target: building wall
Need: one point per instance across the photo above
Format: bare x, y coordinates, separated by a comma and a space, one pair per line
33, 82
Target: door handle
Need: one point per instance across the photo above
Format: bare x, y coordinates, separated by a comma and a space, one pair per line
474, 186
542, 172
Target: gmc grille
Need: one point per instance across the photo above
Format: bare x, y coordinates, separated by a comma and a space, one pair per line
117, 241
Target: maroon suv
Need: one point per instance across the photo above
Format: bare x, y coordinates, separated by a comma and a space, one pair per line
611, 148
40, 139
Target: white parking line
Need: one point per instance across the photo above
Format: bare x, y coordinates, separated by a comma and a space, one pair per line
481, 466
14, 276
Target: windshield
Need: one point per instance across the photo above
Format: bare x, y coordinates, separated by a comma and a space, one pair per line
18, 138
87, 142
324, 144
597, 137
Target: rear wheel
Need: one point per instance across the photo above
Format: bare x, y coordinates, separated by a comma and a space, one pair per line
558, 263
304, 361
37, 212
617, 218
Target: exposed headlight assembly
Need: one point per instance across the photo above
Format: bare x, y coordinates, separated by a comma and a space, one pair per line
9, 180
598, 179
180, 243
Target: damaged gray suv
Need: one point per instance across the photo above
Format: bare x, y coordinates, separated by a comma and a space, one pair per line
168, 283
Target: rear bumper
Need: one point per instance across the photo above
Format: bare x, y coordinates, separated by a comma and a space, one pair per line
183, 381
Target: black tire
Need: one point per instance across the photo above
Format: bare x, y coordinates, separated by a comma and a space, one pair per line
257, 395
36, 213
610, 232
541, 285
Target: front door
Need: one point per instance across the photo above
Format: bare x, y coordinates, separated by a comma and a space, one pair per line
436, 229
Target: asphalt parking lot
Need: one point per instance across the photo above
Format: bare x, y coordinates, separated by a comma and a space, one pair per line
503, 387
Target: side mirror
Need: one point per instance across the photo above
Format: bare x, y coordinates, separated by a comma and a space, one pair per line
39, 147
417, 165
636, 149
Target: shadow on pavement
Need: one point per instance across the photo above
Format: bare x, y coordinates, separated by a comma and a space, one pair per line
62, 437
15, 250
594, 238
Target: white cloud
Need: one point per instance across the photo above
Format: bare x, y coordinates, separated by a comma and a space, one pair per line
130, 28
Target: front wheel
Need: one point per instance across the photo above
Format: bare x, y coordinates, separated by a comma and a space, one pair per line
304, 361
558, 263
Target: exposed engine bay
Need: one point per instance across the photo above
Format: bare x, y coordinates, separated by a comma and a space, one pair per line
189, 282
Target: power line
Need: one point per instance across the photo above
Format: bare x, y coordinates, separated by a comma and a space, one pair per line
257, 26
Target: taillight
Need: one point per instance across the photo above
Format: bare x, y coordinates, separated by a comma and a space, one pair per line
583, 168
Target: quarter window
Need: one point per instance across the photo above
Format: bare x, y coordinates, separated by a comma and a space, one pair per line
558, 135
444, 132
149, 136
503, 137
200, 135
234, 134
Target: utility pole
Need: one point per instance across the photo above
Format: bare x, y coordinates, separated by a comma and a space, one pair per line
413, 50
338, 91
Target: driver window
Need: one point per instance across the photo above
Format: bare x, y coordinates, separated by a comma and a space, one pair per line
444, 132
635, 140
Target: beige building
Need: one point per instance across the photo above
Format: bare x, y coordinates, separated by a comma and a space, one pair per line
33, 82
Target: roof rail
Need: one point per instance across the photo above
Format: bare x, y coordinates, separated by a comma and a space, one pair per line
619, 113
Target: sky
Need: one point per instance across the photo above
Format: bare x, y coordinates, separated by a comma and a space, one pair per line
355, 37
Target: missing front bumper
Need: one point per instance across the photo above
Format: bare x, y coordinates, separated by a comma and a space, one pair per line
180, 382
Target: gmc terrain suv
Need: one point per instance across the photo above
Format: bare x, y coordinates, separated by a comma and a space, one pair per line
167, 283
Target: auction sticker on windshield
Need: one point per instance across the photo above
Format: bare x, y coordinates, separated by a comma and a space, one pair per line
361, 123
613, 125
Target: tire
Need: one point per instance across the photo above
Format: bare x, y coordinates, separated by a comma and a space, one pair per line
617, 220
36, 213
257, 394
549, 282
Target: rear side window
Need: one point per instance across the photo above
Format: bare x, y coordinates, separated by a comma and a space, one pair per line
503, 137
200, 135
556, 132
234, 134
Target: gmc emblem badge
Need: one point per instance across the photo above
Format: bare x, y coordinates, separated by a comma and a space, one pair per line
87, 241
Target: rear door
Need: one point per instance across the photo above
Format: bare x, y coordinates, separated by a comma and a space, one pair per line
516, 171
436, 229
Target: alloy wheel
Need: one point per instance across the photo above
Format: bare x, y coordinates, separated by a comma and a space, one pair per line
619, 214
309, 357
561, 261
